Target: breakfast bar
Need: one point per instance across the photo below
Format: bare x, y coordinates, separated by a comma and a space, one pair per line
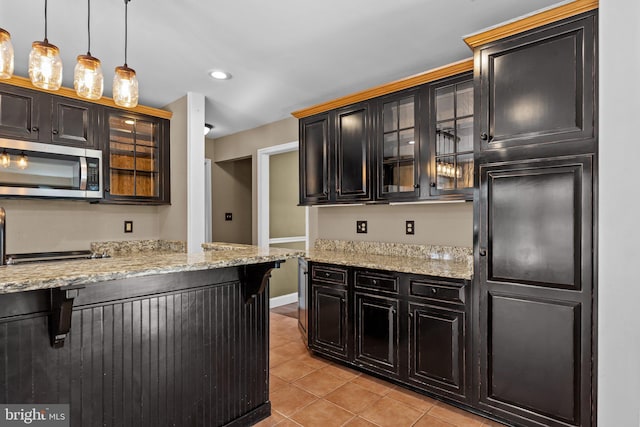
146, 338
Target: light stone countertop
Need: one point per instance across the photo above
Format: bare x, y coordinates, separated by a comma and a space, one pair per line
453, 269
45, 275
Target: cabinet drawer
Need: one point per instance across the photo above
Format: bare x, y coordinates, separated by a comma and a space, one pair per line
438, 291
376, 281
329, 274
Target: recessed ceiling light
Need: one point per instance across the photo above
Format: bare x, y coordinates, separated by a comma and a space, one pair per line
207, 128
219, 75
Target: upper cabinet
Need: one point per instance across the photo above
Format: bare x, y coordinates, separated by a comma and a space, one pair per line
451, 137
411, 145
40, 117
398, 146
136, 158
538, 88
354, 129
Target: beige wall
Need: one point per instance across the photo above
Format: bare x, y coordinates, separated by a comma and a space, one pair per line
57, 225
231, 184
286, 218
246, 144
449, 224
173, 218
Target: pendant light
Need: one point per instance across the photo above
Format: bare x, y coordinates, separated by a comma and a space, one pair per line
6, 55
45, 65
88, 80
125, 83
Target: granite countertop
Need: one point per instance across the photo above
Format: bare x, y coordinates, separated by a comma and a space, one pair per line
26, 277
440, 261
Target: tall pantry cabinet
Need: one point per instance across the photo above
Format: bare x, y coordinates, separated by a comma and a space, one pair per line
536, 170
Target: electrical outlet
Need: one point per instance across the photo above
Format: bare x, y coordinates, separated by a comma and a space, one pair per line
410, 227
228, 216
128, 226
361, 227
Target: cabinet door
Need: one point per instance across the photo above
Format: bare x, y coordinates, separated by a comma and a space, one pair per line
539, 87
376, 332
437, 349
353, 153
328, 332
535, 287
73, 122
19, 113
398, 146
303, 286
137, 152
451, 137
314, 159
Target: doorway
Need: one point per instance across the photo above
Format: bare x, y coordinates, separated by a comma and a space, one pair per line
281, 222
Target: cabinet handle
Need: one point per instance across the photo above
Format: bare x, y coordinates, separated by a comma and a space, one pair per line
484, 136
54, 131
35, 129
375, 282
483, 252
434, 291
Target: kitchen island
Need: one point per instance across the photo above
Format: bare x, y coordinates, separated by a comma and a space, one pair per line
150, 338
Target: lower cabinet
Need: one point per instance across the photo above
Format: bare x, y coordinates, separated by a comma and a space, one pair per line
377, 332
411, 329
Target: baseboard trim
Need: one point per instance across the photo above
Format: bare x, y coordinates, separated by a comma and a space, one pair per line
283, 300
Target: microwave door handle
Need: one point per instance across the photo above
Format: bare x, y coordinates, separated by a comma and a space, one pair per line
83, 173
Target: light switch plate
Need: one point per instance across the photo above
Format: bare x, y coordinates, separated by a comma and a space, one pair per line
361, 227
128, 226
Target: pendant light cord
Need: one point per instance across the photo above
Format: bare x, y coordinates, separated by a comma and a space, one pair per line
89, 27
126, 29
45, 22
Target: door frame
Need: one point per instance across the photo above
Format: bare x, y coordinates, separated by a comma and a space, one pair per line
263, 197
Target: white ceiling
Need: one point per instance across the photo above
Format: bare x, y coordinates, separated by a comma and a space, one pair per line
284, 55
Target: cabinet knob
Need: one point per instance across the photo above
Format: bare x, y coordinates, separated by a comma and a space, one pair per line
107, 189
483, 252
433, 184
416, 185
374, 281
326, 275
35, 129
434, 291
54, 131
484, 136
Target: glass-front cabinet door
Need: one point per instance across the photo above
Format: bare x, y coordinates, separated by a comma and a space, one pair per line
451, 137
135, 165
398, 146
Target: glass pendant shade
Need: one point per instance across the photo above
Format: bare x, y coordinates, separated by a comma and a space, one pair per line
125, 87
88, 80
45, 66
6, 55
5, 159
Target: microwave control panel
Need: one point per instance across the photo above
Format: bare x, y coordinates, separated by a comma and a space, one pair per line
93, 174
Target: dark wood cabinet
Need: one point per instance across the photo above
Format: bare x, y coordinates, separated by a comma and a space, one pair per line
398, 146
328, 329
136, 158
451, 137
303, 286
377, 332
19, 113
40, 117
314, 159
73, 122
538, 88
411, 329
353, 171
535, 287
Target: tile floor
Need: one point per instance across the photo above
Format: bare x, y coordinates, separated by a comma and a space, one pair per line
309, 391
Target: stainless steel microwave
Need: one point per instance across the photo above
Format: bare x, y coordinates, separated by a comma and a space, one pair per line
32, 169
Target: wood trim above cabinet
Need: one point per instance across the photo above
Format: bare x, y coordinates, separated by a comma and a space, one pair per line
385, 89
530, 22
70, 93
